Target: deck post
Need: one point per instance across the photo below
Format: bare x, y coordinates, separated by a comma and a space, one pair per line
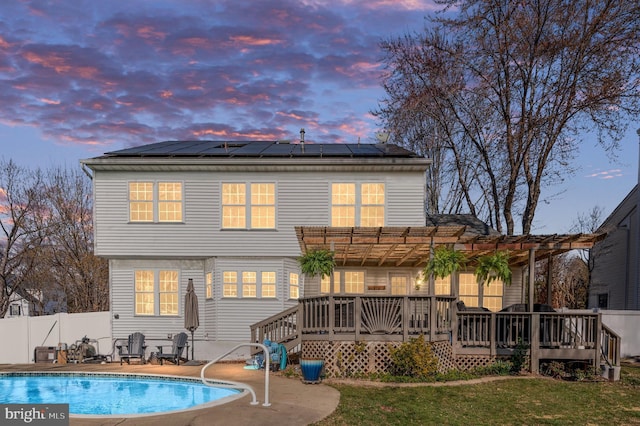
534, 342
332, 317
357, 317
433, 318
454, 326
598, 339
405, 318
492, 335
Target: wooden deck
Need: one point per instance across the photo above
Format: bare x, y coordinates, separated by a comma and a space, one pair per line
548, 335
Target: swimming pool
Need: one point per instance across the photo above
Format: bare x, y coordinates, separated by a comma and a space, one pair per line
115, 395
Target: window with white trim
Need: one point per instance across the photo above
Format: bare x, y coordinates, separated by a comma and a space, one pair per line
473, 294
443, 286
151, 286
294, 286
141, 201
14, 310
155, 202
249, 282
253, 204
354, 282
399, 285
268, 287
208, 285
168, 292
229, 284
360, 204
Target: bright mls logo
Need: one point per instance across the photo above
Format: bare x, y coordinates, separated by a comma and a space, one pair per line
36, 414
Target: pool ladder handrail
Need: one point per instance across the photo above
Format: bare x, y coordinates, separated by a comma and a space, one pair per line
231, 384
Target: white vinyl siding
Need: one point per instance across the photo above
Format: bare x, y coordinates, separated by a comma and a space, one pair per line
302, 199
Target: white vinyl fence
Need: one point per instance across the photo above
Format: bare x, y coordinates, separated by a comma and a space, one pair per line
21, 336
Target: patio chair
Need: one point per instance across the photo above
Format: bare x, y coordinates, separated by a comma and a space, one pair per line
180, 341
135, 348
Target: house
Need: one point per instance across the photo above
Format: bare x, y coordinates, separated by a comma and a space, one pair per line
223, 214
615, 277
233, 218
24, 303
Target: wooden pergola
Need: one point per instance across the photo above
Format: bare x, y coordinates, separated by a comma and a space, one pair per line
411, 246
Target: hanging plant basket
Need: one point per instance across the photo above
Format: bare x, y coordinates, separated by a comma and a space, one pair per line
317, 262
494, 267
444, 262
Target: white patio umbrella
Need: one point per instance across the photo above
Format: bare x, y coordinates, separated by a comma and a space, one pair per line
191, 314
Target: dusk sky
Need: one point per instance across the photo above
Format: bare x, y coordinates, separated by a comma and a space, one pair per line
82, 77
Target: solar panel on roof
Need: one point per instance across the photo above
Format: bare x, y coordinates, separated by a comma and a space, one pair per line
252, 149
311, 150
365, 150
278, 150
261, 148
335, 149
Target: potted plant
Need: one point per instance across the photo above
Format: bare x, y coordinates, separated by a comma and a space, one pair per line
494, 267
444, 262
311, 369
317, 262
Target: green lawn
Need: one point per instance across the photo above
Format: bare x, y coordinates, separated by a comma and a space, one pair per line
513, 401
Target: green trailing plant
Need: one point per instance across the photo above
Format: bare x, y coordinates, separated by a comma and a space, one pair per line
494, 267
444, 262
317, 262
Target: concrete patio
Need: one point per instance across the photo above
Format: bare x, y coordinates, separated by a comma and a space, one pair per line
292, 402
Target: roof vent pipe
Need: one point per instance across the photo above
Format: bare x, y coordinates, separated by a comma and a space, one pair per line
302, 139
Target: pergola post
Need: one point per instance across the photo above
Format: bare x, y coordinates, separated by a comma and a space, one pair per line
532, 276
549, 277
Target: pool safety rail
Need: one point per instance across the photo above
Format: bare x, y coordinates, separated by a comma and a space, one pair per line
229, 384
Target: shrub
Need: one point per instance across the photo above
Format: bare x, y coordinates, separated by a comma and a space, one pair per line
519, 356
414, 359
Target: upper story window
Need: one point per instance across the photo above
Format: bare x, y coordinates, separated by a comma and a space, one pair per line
248, 206
357, 204
14, 310
150, 202
151, 286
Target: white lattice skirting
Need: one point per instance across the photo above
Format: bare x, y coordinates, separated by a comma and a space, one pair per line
352, 359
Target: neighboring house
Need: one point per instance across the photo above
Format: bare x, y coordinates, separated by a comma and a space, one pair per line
24, 303
233, 217
615, 282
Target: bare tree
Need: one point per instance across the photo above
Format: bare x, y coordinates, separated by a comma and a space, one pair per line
23, 222
569, 279
79, 274
505, 87
47, 239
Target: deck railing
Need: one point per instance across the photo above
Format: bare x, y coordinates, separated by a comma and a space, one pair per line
548, 335
280, 328
553, 335
610, 347
385, 318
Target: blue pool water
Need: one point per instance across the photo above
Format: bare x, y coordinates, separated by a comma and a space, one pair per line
110, 394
